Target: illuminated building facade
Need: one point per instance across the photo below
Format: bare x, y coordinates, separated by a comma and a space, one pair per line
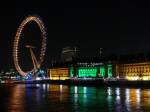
126, 66
91, 71
134, 71
81, 68
58, 73
62, 73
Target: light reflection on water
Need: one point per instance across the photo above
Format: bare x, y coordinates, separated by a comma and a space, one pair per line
61, 98
127, 99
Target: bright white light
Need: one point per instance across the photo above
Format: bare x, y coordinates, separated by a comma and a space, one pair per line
60, 87
138, 95
37, 85
44, 86
109, 91
127, 94
75, 89
85, 91
38, 78
117, 91
117, 77
132, 77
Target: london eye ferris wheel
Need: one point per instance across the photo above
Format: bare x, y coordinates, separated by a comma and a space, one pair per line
36, 63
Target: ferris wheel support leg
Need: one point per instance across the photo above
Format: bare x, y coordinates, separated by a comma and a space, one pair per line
34, 60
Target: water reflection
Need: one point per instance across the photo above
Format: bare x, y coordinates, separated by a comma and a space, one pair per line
127, 99
138, 99
118, 100
60, 98
109, 99
17, 101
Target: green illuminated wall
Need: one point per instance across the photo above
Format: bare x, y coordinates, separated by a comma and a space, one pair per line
71, 72
87, 71
109, 70
102, 71
92, 71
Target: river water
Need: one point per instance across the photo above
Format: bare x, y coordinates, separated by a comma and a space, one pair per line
62, 98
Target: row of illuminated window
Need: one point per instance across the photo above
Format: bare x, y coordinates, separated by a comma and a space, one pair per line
138, 64
137, 74
85, 72
58, 75
135, 69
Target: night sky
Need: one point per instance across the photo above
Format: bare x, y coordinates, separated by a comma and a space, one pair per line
117, 26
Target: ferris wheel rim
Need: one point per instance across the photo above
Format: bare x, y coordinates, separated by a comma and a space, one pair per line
41, 26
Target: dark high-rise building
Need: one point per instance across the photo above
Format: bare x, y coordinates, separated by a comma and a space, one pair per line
101, 52
68, 53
